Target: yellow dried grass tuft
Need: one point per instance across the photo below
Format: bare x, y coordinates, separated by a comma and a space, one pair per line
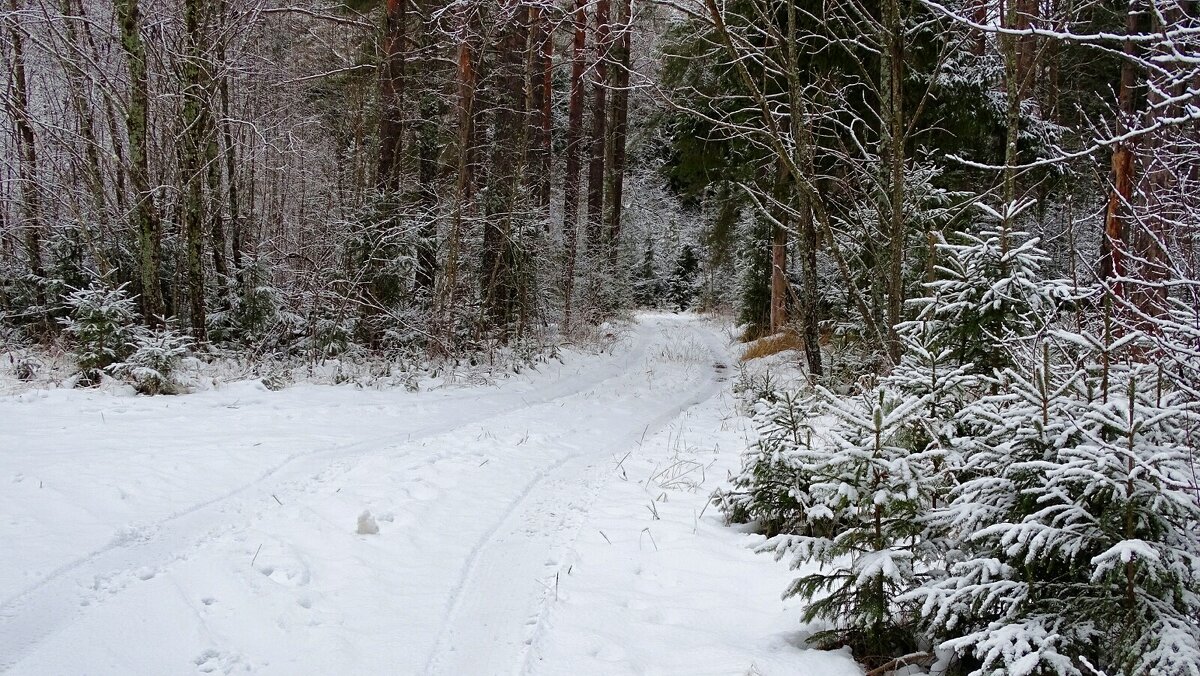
773, 344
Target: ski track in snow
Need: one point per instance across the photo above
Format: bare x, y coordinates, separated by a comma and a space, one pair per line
478, 579
34, 612
480, 498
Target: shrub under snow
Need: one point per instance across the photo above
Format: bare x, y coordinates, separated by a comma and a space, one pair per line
154, 362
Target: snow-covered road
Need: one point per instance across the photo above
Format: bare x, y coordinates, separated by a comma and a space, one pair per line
216, 532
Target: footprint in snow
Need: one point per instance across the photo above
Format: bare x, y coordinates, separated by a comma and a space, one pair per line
213, 661
287, 574
129, 535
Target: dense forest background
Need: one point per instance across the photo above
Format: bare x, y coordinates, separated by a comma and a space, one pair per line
430, 176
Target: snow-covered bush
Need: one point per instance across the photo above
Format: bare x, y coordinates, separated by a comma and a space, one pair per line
868, 490
1079, 525
990, 291
100, 326
772, 489
153, 364
753, 386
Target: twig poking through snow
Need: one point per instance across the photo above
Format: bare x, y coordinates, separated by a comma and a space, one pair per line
647, 532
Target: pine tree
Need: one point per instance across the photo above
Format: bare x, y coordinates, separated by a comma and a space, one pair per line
773, 488
646, 285
154, 361
682, 286
100, 326
991, 290
1078, 526
868, 491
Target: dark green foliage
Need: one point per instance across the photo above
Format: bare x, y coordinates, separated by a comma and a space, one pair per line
754, 306
772, 490
682, 286
101, 326
649, 290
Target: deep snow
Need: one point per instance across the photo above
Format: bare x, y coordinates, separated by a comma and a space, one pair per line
552, 524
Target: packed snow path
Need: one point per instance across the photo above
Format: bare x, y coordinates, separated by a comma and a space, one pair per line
216, 531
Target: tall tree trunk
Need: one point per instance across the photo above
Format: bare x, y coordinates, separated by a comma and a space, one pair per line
232, 179
618, 131
1115, 245
428, 147
500, 288
220, 243
144, 216
31, 196
779, 245
802, 161
893, 127
217, 77
571, 187
595, 194
196, 125
391, 97
809, 296
541, 76
464, 185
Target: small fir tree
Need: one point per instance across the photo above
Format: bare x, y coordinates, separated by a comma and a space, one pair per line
868, 491
1079, 529
991, 290
772, 489
100, 326
153, 364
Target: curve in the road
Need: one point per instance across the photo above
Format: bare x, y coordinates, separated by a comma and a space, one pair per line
467, 581
35, 612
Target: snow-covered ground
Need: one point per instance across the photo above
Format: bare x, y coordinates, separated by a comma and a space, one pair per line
552, 524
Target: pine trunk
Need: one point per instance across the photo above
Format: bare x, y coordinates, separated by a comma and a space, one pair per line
27, 170
541, 85
1115, 245
391, 98
195, 126
144, 216
465, 182
618, 131
500, 287
574, 169
595, 195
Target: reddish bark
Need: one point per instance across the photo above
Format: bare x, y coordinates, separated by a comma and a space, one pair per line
570, 224
619, 129
391, 97
595, 196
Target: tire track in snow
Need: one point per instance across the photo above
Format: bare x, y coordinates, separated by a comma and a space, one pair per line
37, 611
474, 567
712, 388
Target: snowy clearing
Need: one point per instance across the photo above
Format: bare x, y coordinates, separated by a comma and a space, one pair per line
552, 524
